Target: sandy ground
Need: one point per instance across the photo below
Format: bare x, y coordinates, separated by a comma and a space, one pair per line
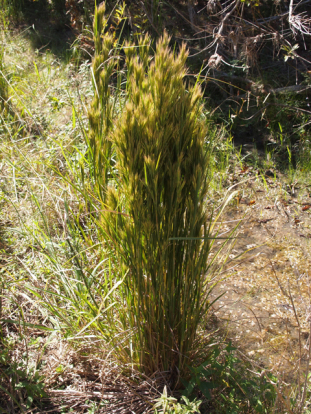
265, 306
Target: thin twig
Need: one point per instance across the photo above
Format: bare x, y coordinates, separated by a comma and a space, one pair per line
299, 335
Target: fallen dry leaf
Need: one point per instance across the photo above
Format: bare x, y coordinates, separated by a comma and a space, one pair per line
244, 170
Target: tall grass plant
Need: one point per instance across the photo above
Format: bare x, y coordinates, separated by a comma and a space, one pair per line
103, 108
156, 217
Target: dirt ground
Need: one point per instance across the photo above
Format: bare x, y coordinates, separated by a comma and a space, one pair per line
265, 306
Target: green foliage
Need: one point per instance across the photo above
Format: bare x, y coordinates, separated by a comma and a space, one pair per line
59, 5
22, 384
12, 6
78, 298
16, 7
304, 157
159, 224
226, 376
169, 405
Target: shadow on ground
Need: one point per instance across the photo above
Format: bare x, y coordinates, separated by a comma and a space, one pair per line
49, 26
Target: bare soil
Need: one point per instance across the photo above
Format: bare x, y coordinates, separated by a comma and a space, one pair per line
265, 306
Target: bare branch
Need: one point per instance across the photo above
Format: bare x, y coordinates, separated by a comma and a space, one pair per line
299, 22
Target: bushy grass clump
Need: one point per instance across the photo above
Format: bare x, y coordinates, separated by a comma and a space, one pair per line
156, 213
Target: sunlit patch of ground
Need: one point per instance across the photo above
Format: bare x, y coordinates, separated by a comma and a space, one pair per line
266, 302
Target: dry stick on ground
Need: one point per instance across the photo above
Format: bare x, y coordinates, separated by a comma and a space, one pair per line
279, 283
309, 348
305, 386
258, 322
308, 318
299, 334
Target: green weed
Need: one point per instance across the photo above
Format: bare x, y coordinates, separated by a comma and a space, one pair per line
169, 405
226, 376
19, 381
